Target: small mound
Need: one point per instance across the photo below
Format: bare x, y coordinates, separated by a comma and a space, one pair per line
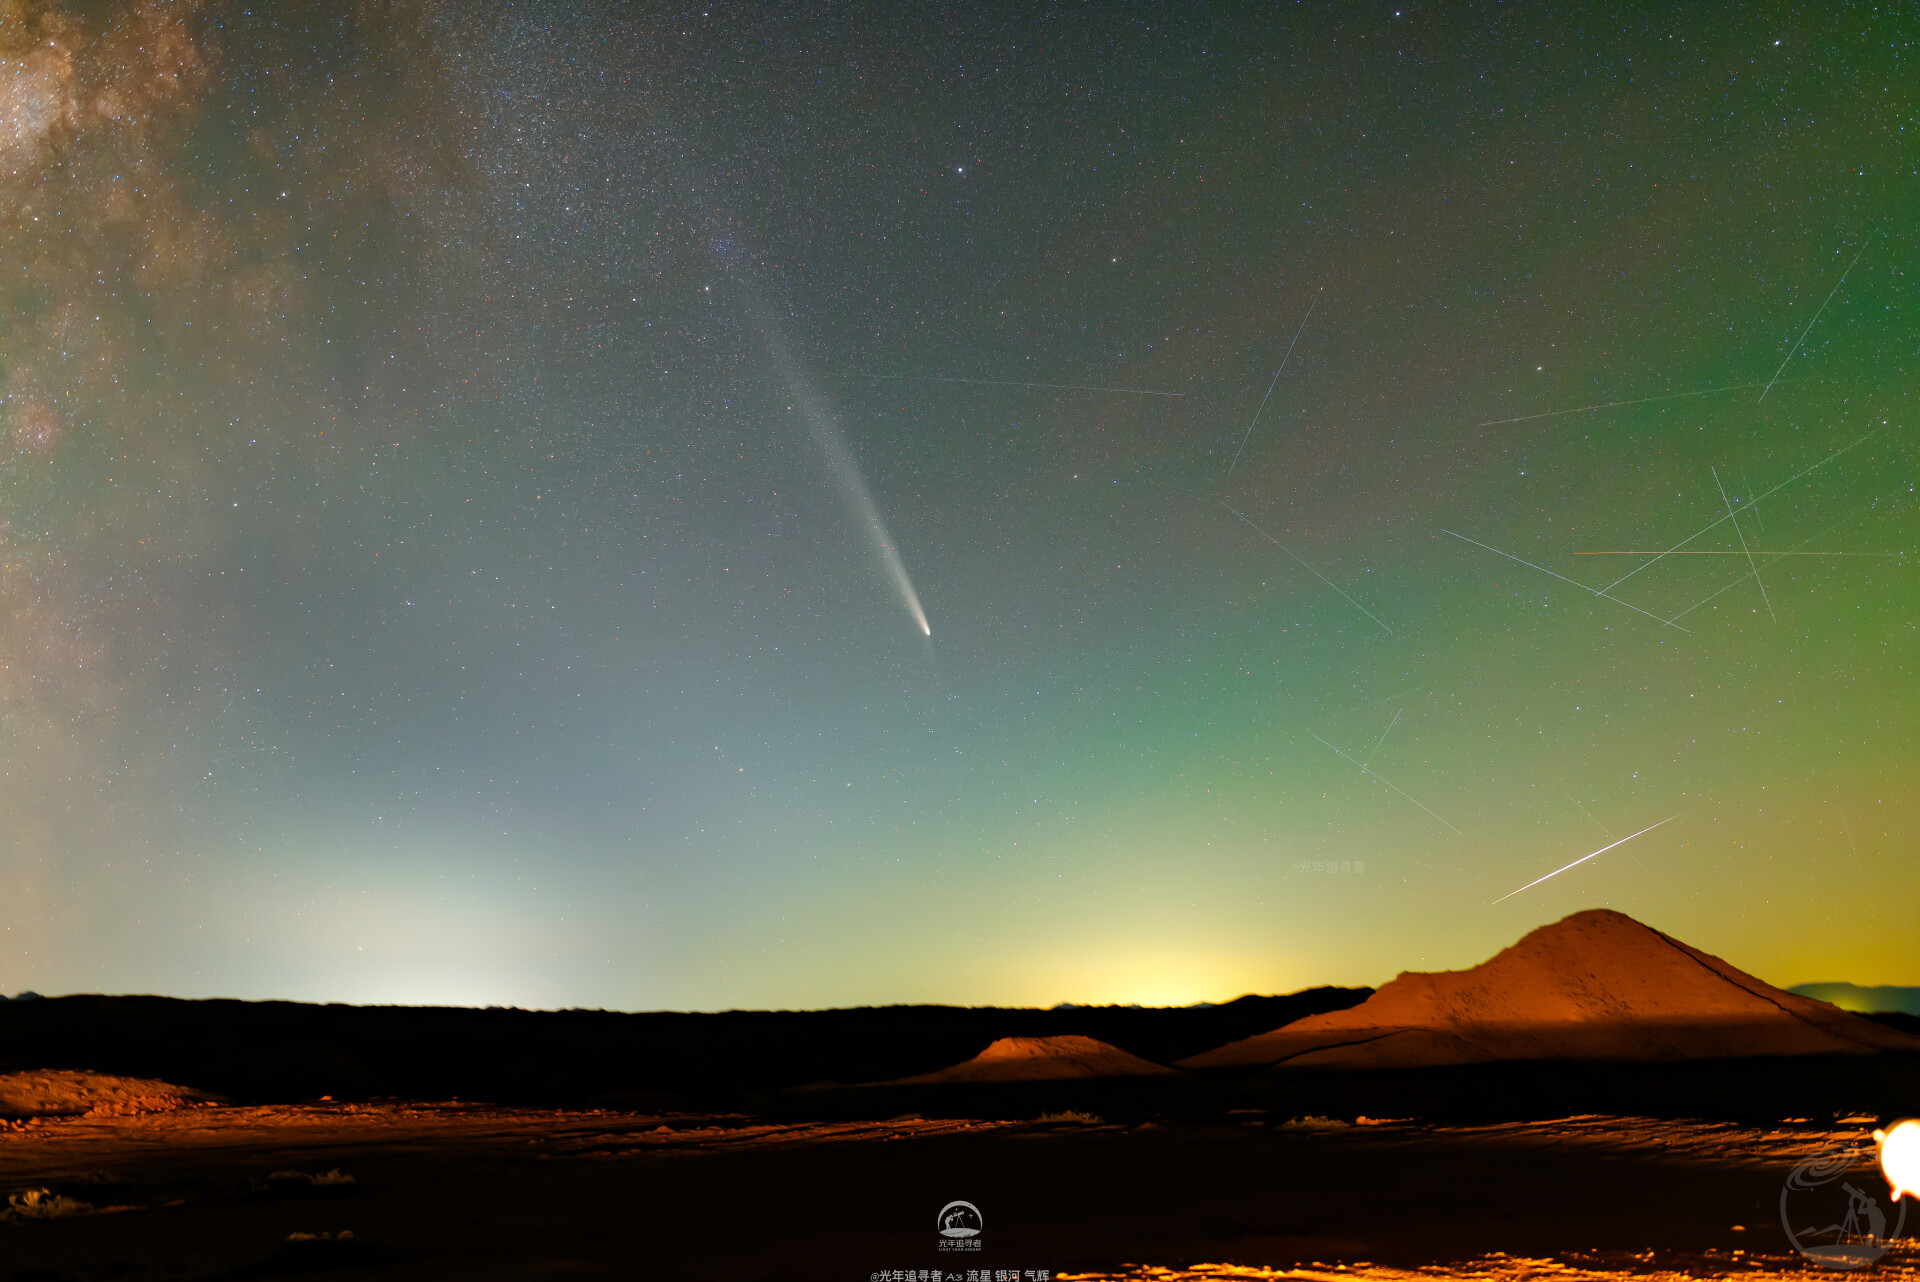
72, 1093
1594, 986
1043, 1059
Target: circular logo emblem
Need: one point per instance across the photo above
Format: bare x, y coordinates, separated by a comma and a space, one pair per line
959, 1219
1832, 1212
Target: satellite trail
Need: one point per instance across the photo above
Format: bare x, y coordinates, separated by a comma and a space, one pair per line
1815, 321
1276, 380
1608, 405
1564, 579
1316, 574
1376, 774
1750, 503
1743, 544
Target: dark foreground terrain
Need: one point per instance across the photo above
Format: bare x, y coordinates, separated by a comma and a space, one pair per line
753, 1145
840, 1064
470, 1192
278, 1051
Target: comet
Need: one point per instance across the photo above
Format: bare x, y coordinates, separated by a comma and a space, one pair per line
846, 468
1582, 859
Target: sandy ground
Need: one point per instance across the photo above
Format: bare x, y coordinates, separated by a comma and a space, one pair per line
454, 1190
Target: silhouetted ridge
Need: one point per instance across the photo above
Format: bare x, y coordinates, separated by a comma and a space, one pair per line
1597, 985
289, 1050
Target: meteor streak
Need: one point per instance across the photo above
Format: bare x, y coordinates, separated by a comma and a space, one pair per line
1576, 863
1608, 833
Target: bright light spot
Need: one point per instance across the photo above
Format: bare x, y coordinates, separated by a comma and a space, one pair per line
1900, 1157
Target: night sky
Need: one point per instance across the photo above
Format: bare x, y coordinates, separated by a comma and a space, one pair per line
471, 471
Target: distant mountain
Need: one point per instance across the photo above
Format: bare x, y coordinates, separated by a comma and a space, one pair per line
1594, 986
1863, 1000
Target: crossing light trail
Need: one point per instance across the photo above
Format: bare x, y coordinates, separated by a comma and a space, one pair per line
1609, 405
1743, 544
1376, 774
1576, 863
1316, 574
1608, 834
1270, 386
1564, 579
1756, 516
1384, 733
1716, 524
1776, 556
1604, 831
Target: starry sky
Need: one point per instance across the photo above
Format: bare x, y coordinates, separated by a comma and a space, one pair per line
470, 472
